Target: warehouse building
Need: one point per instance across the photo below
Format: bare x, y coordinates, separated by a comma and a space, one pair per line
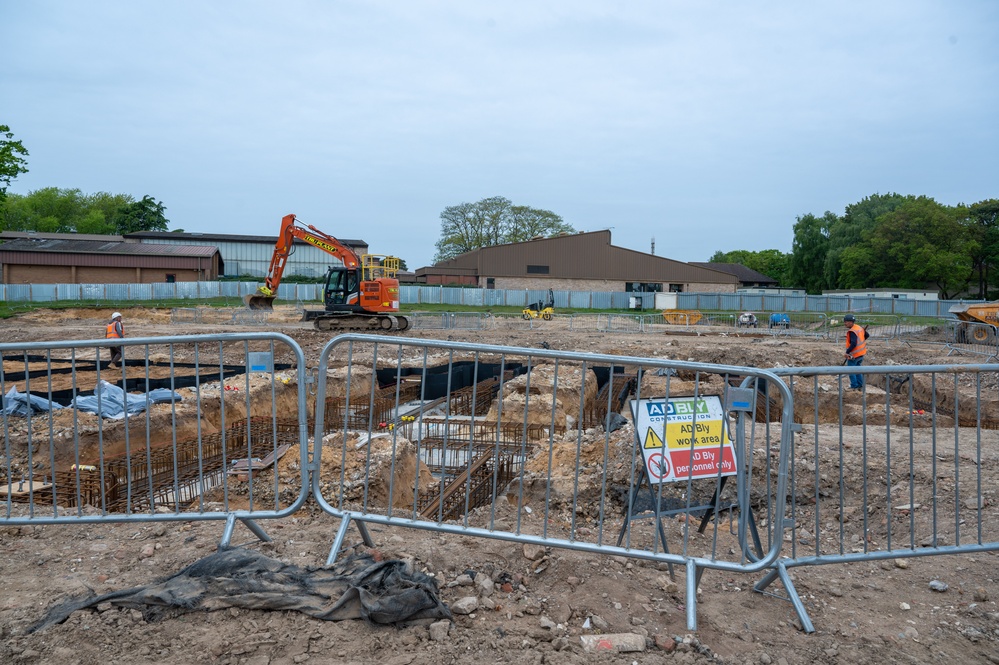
63, 258
575, 262
251, 255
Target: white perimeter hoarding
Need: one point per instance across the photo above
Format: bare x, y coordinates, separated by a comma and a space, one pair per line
676, 445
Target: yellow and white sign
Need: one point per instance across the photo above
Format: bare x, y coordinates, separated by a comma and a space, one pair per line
683, 439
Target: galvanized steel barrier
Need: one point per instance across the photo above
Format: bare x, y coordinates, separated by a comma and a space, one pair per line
515, 444
904, 467
527, 445
177, 431
975, 338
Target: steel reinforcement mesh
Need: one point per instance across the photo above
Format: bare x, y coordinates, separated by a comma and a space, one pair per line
173, 475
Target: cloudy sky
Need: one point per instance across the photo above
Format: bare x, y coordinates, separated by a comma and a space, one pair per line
707, 125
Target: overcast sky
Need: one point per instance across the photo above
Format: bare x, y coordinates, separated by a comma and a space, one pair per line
707, 125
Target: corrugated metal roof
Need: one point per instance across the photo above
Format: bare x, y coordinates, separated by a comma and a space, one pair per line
224, 237
49, 245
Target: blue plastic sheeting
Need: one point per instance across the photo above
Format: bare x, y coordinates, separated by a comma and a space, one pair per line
23, 404
110, 401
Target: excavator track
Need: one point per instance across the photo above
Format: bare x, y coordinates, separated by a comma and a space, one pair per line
361, 323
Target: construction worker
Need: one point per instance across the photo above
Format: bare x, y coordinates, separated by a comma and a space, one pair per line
856, 349
115, 331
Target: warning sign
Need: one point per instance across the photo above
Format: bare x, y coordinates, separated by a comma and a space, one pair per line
684, 439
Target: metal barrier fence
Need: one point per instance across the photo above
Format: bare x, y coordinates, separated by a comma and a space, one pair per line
975, 338
175, 430
491, 446
903, 468
523, 445
410, 294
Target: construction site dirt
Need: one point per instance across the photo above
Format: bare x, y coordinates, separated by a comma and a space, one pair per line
917, 610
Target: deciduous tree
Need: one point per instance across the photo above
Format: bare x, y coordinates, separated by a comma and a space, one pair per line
144, 215
492, 221
12, 162
808, 252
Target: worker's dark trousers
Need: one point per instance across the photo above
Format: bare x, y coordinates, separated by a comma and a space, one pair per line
856, 380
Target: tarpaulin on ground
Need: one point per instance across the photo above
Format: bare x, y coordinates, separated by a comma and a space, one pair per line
110, 401
24, 404
358, 587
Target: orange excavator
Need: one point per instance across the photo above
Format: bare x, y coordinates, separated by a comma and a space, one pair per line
361, 294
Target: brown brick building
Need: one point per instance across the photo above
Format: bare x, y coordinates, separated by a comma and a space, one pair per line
575, 262
52, 259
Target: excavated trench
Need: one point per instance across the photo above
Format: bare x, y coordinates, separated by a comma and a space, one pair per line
226, 413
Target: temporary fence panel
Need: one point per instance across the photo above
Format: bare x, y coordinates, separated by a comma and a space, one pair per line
624, 323
467, 321
903, 467
494, 298
117, 292
529, 445
974, 338
590, 322
68, 292
600, 300
184, 428
428, 320
734, 301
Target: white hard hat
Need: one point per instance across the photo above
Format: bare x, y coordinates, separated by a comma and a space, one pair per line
116, 315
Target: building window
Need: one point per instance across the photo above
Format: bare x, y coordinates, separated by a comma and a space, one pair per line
643, 287
676, 288
171, 278
537, 270
490, 282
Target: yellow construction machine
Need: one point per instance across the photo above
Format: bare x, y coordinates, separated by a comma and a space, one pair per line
681, 317
540, 310
985, 314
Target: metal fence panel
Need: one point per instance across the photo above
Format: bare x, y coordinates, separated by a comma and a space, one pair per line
93, 292
893, 470
580, 299
974, 338
164, 291
527, 445
116, 292
68, 292
73, 453
210, 289
735, 301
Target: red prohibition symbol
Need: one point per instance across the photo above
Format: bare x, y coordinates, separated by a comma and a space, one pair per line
658, 466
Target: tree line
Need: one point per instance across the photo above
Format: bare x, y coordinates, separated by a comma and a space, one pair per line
54, 210
889, 241
883, 241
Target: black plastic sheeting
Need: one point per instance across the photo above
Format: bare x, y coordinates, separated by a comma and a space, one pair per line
387, 592
460, 374
110, 401
139, 383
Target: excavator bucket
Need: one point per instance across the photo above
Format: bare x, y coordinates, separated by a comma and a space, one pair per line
259, 301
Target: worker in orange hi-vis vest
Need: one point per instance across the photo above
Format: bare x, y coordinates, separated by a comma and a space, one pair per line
856, 349
115, 331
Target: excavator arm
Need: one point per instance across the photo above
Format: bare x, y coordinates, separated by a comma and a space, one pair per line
291, 229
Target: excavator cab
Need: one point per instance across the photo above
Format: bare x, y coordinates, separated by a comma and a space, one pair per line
341, 287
